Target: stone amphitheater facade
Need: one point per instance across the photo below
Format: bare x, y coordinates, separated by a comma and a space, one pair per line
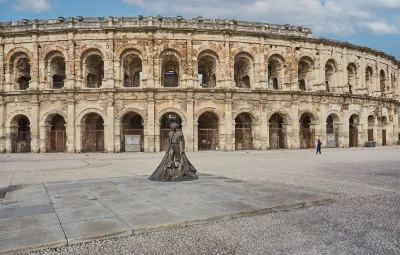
115, 84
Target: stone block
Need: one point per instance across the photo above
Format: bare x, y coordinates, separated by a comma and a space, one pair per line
74, 215
86, 231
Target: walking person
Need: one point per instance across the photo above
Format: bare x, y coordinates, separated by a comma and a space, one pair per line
319, 143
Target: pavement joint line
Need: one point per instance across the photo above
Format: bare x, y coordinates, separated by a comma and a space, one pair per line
58, 218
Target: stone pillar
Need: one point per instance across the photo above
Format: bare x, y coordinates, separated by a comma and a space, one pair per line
44, 79
110, 123
151, 124
340, 131
295, 125
43, 134
34, 125
262, 63
2, 65
255, 129
376, 128
264, 129
322, 125
78, 137
2, 124
149, 76
196, 136
71, 136
118, 136
190, 128
228, 80
70, 64
344, 134
396, 129
34, 82
360, 135
229, 133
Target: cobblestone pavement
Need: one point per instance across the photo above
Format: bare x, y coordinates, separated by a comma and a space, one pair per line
363, 219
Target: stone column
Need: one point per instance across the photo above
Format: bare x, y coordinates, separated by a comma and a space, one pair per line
322, 124
262, 63
34, 82
117, 137
2, 124
44, 79
340, 130
376, 128
71, 137
110, 123
149, 76
229, 133
264, 129
189, 129
34, 125
151, 124
78, 137
344, 135
396, 129
256, 138
2, 65
196, 136
44, 129
295, 125
360, 135
70, 64
287, 129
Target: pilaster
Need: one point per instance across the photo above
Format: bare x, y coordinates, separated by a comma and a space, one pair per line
151, 124
71, 135
2, 125
110, 123
34, 125
190, 128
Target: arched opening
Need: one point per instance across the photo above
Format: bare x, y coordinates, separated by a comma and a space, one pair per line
94, 71
352, 77
132, 132
330, 70
56, 136
132, 70
208, 135
166, 120
332, 132
93, 133
368, 78
243, 132
20, 134
242, 71
371, 123
382, 80
304, 72
277, 136
207, 70
353, 131
275, 71
21, 70
384, 124
169, 70
307, 134
55, 69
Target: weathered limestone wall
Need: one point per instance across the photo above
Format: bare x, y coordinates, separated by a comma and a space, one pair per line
266, 48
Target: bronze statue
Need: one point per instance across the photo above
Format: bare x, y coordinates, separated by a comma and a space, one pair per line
175, 166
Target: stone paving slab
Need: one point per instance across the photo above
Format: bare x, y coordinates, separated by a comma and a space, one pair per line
63, 213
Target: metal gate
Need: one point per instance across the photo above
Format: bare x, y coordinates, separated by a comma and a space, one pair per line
56, 141
370, 134
276, 138
353, 137
93, 141
384, 137
20, 142
307, 138
132, 132
243, 138
332, 138
208, 139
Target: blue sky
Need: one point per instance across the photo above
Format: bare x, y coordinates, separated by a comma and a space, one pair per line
373, 23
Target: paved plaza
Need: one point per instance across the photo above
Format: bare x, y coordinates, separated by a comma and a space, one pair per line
99, 191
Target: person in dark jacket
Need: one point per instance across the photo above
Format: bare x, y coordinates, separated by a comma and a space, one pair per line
319, 143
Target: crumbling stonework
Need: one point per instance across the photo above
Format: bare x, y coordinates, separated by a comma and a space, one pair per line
231, 85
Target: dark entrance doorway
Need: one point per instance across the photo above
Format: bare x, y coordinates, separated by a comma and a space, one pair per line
384, 137
243, 132
371, 122
132, 133
93, 133
166, 121
332, 134
353, 131
276, 133
56, 137
307, 134
208, 136
21, 135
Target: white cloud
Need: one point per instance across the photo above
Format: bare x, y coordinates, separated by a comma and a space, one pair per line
32, 5
380, 27
2, 1
341, 17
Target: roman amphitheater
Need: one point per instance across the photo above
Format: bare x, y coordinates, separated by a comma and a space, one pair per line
115, 84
